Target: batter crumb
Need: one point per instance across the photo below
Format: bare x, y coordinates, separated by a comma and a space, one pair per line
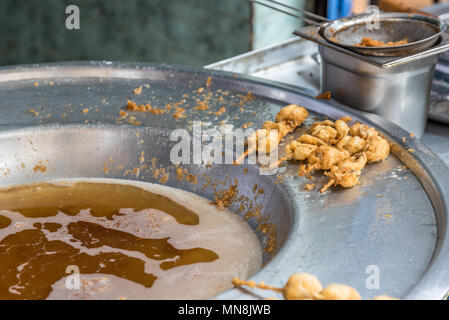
40, 167
309, 186
132, 106
324, 96
138, 90
180, 113
224, 198
34, 112
220, 111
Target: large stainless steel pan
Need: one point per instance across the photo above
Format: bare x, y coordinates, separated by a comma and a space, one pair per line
396, 220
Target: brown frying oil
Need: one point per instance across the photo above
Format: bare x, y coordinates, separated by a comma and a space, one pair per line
4, 222
103, 200
32, 261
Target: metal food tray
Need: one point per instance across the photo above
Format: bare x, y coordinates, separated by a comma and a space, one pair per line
394, 222
296, 62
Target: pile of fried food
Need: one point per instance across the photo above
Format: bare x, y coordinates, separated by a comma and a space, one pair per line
304, 286
339, 149
368, 42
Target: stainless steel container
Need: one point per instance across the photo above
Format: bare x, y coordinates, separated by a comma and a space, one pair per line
400, 93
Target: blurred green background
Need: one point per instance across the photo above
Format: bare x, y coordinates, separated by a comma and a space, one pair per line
194, 32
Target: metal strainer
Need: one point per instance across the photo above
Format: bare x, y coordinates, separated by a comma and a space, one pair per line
421, 31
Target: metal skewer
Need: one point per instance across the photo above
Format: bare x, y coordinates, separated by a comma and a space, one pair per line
303, 18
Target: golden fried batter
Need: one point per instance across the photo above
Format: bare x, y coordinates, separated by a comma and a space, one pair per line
377, 149
362, 130
304, 286
292, 115
342, 128
299, 151
341, 151
308, 139
346, 173
384, 297
324, 157
369, 42
337, 291
351, 144
282, 128
301, 286
324, 132
268, 138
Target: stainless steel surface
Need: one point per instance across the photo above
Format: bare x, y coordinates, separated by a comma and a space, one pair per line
400, 94
335, 236
295, 63
439, 104
301, 68
422, 31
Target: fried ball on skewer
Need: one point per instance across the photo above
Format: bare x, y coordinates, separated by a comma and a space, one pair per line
384, 297
337, 291
287, 119
262, 140
301, 286
304, 286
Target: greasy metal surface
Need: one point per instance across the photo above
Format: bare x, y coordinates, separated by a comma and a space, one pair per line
439, 106
395, 220
400, 94
422, 32
296, 63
